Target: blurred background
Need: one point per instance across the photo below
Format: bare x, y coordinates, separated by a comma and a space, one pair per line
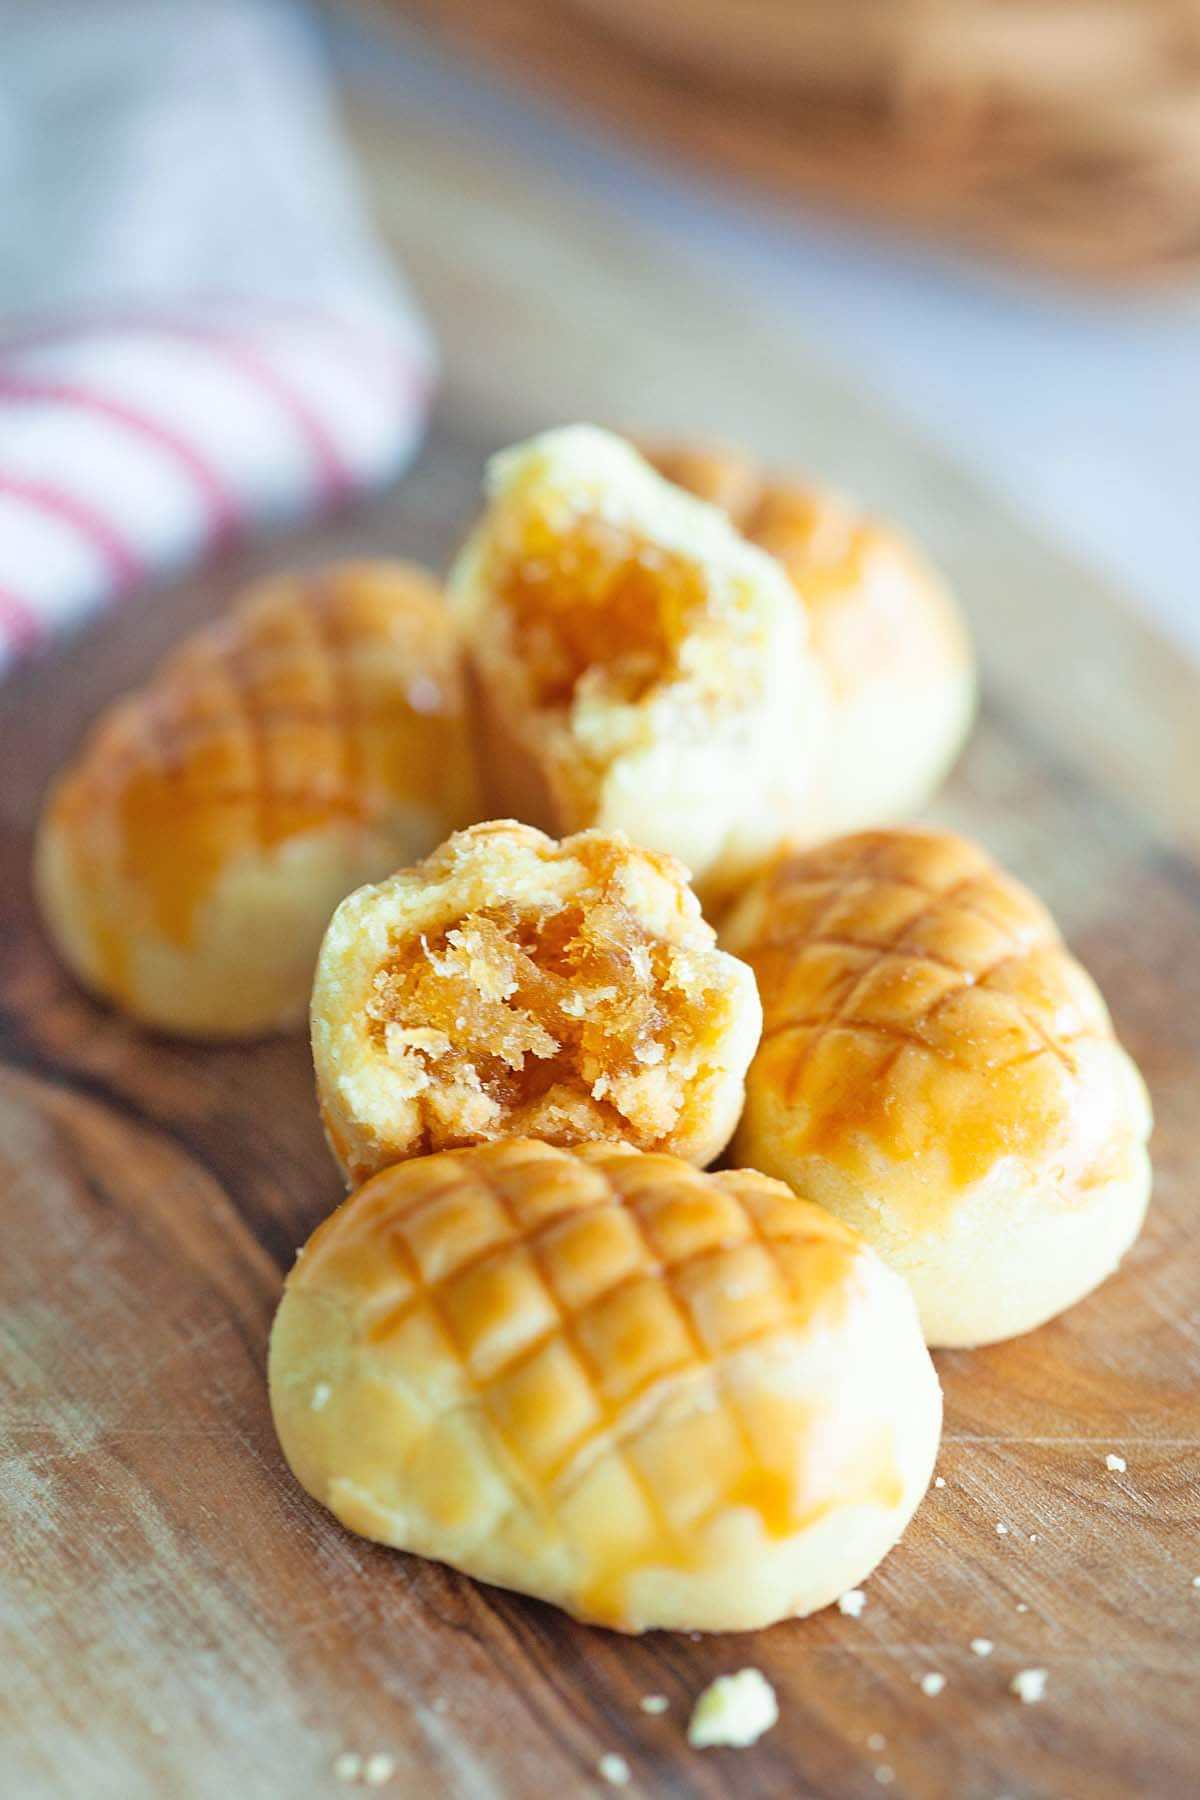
943, 252
982, 214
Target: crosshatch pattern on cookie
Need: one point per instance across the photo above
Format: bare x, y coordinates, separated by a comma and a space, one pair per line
857, 941
568, 1290
268, 712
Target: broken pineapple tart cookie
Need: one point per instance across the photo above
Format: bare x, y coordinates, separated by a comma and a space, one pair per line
883, 626
512, 985
654, 1397
189, 860
639, 665
939, 1071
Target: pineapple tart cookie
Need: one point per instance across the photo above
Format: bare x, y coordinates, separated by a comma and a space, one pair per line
188, 861
654, 1397
639, 665
511, 985
938, 1070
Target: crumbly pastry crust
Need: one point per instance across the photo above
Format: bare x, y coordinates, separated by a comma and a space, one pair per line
939, 1071
654, 1397
512, 985
883, 626
189, 860
639, 666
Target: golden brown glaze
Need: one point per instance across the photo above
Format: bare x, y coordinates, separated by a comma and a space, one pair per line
319, 699
574, 1321
885, 633
916, 1002
324, 704
939, 1071
860, 626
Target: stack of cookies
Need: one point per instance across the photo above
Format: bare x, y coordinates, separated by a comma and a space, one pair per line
619, 800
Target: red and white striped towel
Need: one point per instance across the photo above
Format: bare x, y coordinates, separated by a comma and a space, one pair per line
138, 434
133, 442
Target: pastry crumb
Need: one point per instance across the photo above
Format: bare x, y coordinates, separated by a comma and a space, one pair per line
424, 695
939, 1481
933, 1683
733, 1709
654, 1703
613, 1769
1001, 1530
852, 1602
1029, 1685
321, 1396
1116, 1464
1196, 1580
1021, 1606
876, 1741
348, 1766
982, 1646
379, 1769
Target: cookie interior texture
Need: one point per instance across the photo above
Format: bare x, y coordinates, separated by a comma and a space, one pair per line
516, 1004
640, 665
517, 985
596, 605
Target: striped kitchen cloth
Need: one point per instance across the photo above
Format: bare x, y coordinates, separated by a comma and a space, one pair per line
198, 333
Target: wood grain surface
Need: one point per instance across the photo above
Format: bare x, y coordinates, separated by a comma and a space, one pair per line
179, 1618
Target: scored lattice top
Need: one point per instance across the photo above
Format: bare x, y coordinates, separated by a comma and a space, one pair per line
323, 699
917, 1003
875, 607
571, 1299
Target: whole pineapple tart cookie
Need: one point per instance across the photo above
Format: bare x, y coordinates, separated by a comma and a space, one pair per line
654, 1397
188, 861
513, 985
938, 1070
883, 626
639, 665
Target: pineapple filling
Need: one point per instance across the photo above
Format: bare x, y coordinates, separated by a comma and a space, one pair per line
559, 1015
598, 602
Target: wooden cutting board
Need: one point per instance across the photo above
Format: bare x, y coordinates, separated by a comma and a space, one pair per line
179, 1619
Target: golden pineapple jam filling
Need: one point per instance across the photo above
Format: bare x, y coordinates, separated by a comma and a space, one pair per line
518, 1006
587, 596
